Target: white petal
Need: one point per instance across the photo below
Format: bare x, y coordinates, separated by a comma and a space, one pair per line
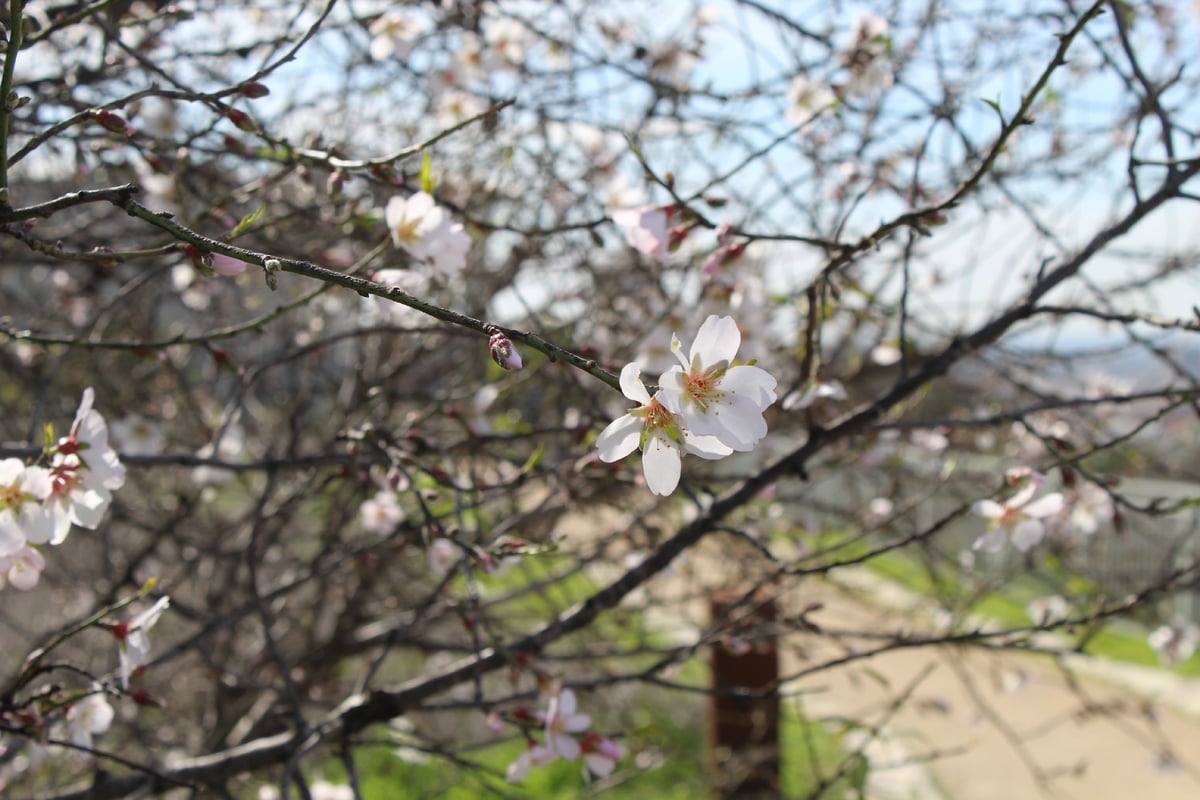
736, 422
989, 509
754, 383
563, 744
708, 447
671, 389
11, 537
991, 542
1026, 534
620, 438
660, 464
632, 386
1044, 506
677, 351
717, 340
577, 723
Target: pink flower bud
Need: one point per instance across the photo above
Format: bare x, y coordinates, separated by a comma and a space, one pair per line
504, 352
253, 90
224, 265
113, 122
242, 120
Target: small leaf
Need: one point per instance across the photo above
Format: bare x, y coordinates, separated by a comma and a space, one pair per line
995, 106
534, 458
425, 176
246, 222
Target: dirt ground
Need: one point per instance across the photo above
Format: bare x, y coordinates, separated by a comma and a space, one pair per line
1006, 726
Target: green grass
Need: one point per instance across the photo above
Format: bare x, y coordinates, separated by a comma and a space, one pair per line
1118, 640
664, 760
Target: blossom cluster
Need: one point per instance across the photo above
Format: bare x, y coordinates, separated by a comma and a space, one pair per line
707, 405
566, 736
39, 503
1028, 515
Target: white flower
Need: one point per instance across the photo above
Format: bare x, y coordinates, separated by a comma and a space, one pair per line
1090, 507
1048, 610
656, 430
600, 754
138, 435
645, 229
562, 722
866, 58
807, 99
443, 556
86, 471
1019, 518
819, 390
393, 35
426, 232
22, 568
23, 517
381, 513
89, 717
455, 106
1176, 642
324, 790
133, 646
714, 398
535, 755
507, 39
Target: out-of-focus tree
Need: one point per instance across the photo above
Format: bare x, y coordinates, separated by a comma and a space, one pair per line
420, 342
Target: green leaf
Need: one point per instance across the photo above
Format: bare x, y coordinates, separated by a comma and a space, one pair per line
995, 106
425, 176
246, 222
534, 458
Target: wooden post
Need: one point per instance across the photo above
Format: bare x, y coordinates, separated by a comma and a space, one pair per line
744, 730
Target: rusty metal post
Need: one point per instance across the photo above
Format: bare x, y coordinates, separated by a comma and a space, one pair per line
744, 713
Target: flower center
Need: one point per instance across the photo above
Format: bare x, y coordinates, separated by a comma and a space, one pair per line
701, 388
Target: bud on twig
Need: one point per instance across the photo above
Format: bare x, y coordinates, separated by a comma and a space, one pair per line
504, 352
242, 120
253, 90
113, 122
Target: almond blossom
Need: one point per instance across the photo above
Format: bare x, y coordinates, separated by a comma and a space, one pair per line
87, 718
1175, 642
1020, 518
393, 35
714, 397
562, 722
425, 231
381, 513
324, 790
86, 471
133, 647
645, 229
23, 517
807, 99
655, 428
600, 754
22, 569
1048, 610
535, 755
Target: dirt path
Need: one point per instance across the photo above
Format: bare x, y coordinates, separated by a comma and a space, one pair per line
976, 725
1006, 726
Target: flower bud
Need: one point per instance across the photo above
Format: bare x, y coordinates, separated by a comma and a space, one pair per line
113, 122
226, 266
242, 120
504, 352
253, 90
